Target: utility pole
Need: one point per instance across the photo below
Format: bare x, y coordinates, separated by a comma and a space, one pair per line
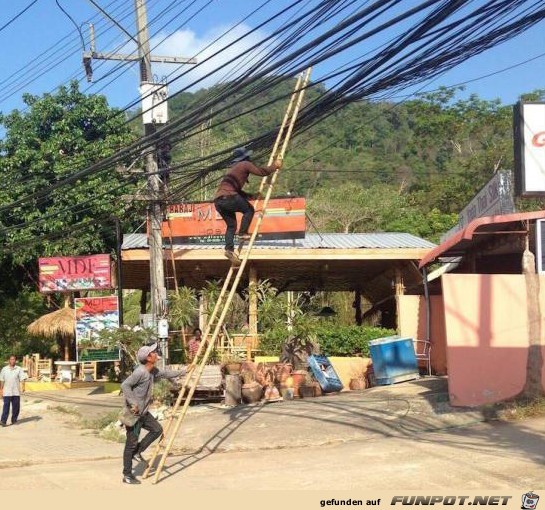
155, 185
151, 93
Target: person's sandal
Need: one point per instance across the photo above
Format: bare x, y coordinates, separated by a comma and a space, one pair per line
233, 257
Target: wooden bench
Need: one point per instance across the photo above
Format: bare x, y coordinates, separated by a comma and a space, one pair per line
44, 369
88, 371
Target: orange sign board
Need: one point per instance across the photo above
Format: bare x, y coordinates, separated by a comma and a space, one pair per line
199, 222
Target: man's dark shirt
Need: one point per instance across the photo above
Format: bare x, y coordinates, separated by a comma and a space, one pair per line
237, 177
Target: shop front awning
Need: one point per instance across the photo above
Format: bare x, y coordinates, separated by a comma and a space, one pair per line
483, 228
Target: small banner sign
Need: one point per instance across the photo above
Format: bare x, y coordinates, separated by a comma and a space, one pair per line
92, 316
62, 274
200, 223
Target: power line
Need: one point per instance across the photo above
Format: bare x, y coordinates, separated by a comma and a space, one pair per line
334, 100
42, 65
17, 16
118, 25
74, 23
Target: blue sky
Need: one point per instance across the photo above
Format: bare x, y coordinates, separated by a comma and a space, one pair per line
45, 25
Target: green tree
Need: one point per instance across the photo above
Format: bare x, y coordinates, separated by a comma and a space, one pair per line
58, 134
16, 314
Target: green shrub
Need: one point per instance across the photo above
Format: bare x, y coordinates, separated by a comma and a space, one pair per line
270, 342
335, 340
162, 393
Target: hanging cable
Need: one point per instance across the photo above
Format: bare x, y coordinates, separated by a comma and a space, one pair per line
17, 16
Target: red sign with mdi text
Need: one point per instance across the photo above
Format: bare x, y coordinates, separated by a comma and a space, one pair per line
86, 272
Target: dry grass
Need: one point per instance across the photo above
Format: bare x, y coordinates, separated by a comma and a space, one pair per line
101, 422
519, 409
65, 410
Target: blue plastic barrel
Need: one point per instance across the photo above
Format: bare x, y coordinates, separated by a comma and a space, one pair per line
394, 360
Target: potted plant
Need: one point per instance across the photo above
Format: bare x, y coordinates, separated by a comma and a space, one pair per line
296, 351
183, 306
251, 389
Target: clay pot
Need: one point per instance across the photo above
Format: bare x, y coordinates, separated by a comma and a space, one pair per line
359, 383
298, 379
271, 393
306, 391
232, 367
251, 392
283, 371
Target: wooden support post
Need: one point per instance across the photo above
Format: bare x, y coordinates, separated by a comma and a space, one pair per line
143, 301
358, 316
399, 291
252, 320
289, 295
203, 311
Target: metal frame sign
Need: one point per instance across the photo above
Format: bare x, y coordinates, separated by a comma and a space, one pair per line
200, 223
92, 316
529, 138
495, 198
62, 274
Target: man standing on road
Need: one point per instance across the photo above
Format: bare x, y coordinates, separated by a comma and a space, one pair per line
230, 198
12, 384
138, 391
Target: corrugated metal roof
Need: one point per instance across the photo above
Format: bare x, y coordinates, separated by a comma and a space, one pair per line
331, 241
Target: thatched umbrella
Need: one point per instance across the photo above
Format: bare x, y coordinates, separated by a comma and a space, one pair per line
60, 323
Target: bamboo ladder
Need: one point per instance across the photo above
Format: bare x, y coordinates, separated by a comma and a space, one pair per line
224, 299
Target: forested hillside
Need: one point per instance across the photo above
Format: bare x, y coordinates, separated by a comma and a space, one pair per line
409, 165
403, 165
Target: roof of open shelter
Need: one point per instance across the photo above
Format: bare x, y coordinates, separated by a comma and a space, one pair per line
335, 262
382, 240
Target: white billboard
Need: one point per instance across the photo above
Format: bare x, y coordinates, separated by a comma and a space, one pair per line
529, 134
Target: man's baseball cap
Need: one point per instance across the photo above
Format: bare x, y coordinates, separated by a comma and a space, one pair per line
145, 351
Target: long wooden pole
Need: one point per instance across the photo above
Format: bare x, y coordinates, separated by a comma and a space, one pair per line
297, 97
219, 301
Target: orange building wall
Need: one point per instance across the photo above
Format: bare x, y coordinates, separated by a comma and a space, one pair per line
486, 322
412, 323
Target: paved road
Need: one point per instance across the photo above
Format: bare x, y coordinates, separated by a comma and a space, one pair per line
485, 455
403, 436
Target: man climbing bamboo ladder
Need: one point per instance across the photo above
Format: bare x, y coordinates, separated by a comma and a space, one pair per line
229, 288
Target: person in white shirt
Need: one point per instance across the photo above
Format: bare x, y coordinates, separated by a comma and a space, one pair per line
12, 385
